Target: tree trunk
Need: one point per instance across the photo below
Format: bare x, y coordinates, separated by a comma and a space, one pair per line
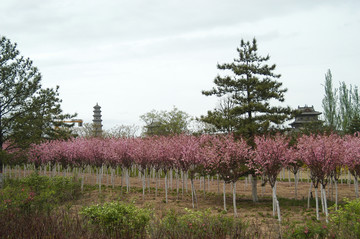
183, 182
356, 185
143, 183
317, 204
296, 184
177, 185
166, 188
254, 188
234, 199
274, 200
224, 193
325, 205
309, 194
322, 199
336, 194
193, 193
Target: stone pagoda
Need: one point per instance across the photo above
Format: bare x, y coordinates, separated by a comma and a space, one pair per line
307, 116
97, 121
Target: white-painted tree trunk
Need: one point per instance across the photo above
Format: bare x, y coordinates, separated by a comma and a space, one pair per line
143, 183
254, 188
127, 179
289, 177
278, 210
186, 182
193, 194
336, 195
325, 206
177, 184
224, 193
204, 188
296, 175
317, 204
171, 179
208, 180
100, 176
309, 194
274, 200
234, 199
183, 182
156, 183
148, 172
322, 199
82, 180
356, 185
166, 188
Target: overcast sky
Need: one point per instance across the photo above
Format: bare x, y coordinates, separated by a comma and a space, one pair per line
132, 56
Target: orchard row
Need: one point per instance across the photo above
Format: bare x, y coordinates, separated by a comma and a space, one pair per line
230, 159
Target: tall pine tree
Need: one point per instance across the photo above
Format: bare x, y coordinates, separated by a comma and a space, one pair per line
251, 86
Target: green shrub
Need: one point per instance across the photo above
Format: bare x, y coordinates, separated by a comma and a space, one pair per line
37, 193
310, 230
118, 219
197, 224
345, 221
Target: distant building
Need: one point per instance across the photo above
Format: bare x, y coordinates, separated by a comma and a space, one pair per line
308, 116
97, 126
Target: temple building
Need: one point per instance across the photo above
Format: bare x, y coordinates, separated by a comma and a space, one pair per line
97, 126
308, 116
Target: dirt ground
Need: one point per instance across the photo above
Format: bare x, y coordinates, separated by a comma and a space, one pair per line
294, 211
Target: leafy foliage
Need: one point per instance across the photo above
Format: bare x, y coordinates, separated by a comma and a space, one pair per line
37, 193
249, 90
28, 113
120, 219
172, 122
198, 224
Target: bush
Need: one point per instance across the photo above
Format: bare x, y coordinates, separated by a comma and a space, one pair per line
118, 219
312, 229
37, 193
198, 224
58, 224
345, 222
